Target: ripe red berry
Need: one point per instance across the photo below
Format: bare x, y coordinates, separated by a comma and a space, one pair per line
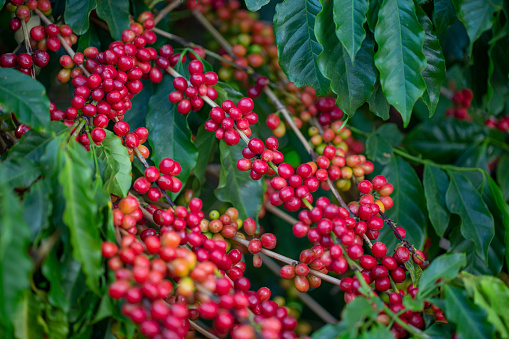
268, 240
379, 250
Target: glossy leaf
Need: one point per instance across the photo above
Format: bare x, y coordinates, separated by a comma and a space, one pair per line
476, 220
378, 103
379, 144
169, 135
80, 213
349, 17
117, 173
435, 184
77, 13
444, 14
26, 325
446, 266
206, 144
298, 48
408, 210
498, 70
15, 263
353, 83
400, 58
439, 330
491, 294
444, 140
477, 16
434, 73
255, 5
236, 186
469, 318
24, 96
116, 15
19, 172
372, 15
37, 207
52, 270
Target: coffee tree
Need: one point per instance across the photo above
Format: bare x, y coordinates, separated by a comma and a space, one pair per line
213, 168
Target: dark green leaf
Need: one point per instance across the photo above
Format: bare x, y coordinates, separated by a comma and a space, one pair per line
434, 73
80, 213
37, 206
349, 17
378, 103
400, 58
24, 96
372, 15
15, 263
236, 186
379, 143
476, 220
444, 14
33, 143
409, 205
205, 142
413, 303
19, 172
58, 322
26, 325
439, 331
498, 70
445, 266
117, 173
137, 113
105, 309
170, 136
378, 331
469, 318
298, 49
52, 270
445, 140
353, 83
435, 184
77, 13
255, 5
116, 15
477, 16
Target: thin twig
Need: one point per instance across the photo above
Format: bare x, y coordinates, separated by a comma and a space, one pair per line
286, 217
212, 30
163, 12
306, 298
27, 45
201, 329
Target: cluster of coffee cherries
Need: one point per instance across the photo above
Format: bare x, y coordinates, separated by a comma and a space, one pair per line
201, 84
23, 10
257, 157
461, 100
165, 175
47, 38
300, 272
127, 214
229, 120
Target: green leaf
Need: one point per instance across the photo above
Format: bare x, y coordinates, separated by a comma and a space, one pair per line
170, 136
15, 263
377, 331
33, 143
117, 173
297, 47
372, 15
352, 82
492, 295
80, 213
435, 184
349, 17
255, 5
445, 266
26, 325
116, 15
205, 142
498, 70
409, 205
378, 103
476, 220
439, 330
434, 74
469, 318
19, 172
444, 14
52, 270
37, 207
379, 143
400, 58
58, 322
77, 13
236, 186
24, 96
445, 140
477, 16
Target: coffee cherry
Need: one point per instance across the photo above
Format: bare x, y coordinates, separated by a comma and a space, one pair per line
379, 250
152, 173
287, 272
301, 284
268, 241
255, 246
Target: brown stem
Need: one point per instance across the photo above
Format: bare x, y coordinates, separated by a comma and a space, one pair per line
274, 210
27, 45
200, 329
212, 30
164, 12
